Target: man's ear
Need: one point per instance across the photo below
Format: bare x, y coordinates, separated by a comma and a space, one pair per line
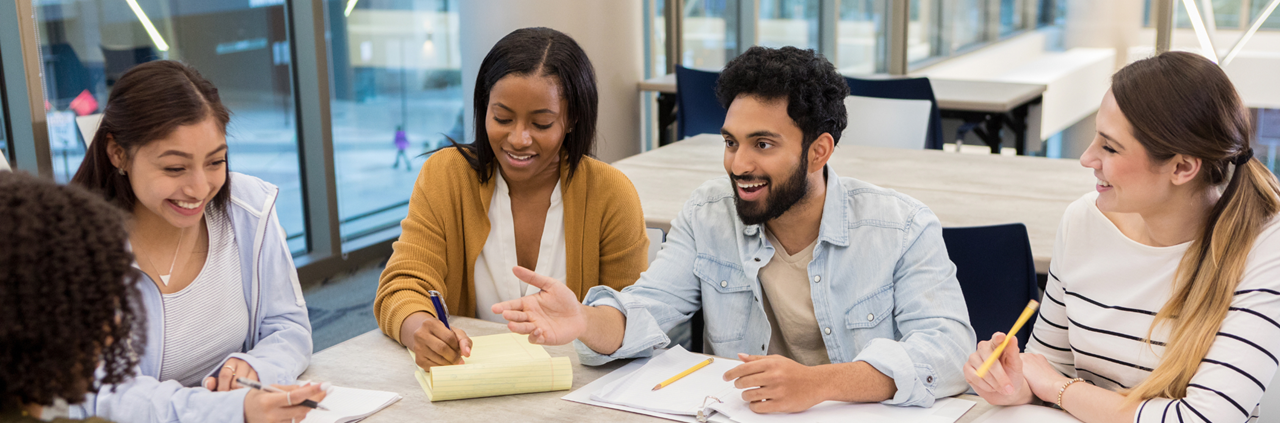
1185, 169
820, 151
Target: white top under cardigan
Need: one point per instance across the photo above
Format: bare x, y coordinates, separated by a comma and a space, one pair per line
493, 278
1103, 292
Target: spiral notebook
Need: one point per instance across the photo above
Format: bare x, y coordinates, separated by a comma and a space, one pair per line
503, 364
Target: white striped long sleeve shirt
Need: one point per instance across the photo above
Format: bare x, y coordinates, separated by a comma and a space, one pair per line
1103, 292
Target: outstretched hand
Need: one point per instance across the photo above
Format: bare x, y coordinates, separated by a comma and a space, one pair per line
551, 317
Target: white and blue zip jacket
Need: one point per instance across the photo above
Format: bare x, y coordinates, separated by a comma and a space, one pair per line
277, 344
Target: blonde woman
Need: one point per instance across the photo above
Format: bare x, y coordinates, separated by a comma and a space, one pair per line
1164, 287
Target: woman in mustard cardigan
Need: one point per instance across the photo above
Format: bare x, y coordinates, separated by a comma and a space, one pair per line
525, 193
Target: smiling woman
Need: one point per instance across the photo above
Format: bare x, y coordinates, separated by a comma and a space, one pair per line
221, 292
525, 193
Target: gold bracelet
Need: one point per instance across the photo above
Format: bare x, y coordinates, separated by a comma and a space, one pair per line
1064, 389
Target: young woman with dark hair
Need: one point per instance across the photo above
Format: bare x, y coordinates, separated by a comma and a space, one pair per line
1165, 284
221, 292
68, 300
525, 193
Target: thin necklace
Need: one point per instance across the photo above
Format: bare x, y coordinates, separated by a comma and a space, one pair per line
165, 277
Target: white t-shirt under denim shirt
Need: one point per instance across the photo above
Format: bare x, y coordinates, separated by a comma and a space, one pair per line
1103, 292
493, 278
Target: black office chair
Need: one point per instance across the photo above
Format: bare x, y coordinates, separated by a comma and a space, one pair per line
903, 89
697, 110
997, 276
65, 75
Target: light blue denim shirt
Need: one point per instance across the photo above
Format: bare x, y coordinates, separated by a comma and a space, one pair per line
884, 290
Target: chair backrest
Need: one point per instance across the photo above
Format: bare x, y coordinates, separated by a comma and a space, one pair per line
886, 122
903, 89
697, 110
656, 238
118, 60
88, 125
997, 275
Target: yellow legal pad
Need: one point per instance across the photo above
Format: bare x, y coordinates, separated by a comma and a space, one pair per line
502, 364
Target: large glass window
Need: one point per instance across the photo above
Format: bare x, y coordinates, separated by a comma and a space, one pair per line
860, 44
710, 33
1259, 6
1010, 15
924, 32
241, 46
968, 23
788, 23
396, 94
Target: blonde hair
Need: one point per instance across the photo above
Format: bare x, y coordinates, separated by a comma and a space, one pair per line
1181, 103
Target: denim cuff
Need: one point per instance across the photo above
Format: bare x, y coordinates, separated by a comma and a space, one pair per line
915, 382
642, 333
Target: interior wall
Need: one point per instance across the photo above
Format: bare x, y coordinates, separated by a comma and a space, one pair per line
611, 34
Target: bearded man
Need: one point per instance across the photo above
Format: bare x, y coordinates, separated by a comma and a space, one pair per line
828, 288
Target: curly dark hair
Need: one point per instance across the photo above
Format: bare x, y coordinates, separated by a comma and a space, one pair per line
69, 302
813, 89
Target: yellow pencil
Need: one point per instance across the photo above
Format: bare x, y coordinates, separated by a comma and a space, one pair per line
683, 374
995, 355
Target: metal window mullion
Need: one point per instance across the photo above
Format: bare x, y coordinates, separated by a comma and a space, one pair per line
991, 21
828, 30
673, 13
315, 136
23, 89
898, 18
1162, 18
748, 21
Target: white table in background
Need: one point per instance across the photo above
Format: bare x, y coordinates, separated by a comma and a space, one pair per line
962, 189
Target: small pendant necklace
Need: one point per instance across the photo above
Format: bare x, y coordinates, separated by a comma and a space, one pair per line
165, 277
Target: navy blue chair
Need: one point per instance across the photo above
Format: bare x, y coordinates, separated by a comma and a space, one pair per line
997, 275
903, 89
697, 110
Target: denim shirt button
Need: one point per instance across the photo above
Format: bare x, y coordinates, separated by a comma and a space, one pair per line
724, 284
750, 231
817, 278
827, 330
928, 379
871, 317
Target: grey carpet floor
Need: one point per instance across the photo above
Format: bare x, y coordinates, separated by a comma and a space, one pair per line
341, 307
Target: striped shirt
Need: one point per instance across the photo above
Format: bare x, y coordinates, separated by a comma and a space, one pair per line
1103, 293
208, 320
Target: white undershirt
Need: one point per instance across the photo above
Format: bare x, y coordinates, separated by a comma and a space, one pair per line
494, 281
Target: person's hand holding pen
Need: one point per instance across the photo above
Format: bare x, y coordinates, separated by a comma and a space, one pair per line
432, 341
261, 406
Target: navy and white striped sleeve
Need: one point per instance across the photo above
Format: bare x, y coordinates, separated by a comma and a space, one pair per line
1235, 373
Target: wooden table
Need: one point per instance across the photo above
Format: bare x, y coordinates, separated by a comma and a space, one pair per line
962, 189
989, 104
374, 361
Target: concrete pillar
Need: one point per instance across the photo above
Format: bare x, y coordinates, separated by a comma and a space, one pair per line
609, 31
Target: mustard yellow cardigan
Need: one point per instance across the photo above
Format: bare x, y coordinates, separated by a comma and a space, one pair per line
448, 223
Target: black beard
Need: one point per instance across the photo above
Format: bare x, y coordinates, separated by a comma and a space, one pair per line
780, 198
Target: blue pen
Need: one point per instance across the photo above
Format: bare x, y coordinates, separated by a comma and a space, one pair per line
442, 312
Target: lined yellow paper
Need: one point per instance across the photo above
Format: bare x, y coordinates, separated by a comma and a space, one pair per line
503, 364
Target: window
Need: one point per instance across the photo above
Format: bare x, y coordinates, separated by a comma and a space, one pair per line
396, 93
968, 23
788, 23
1010, 16
860, 43
241, 47
710, 33
924, 30
1259, 6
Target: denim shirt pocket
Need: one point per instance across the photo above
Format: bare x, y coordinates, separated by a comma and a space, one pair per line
867, 317
726, 298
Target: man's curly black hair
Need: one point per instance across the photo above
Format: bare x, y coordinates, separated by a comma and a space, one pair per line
813, 89
69, 302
